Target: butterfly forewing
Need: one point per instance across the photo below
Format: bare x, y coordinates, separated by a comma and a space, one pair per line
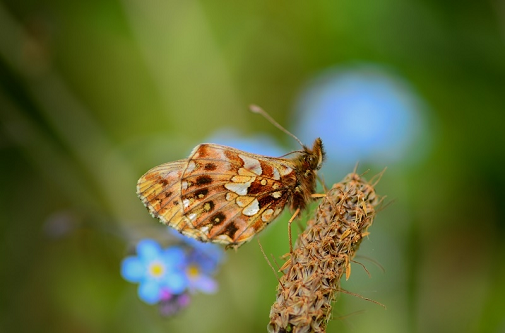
225, 195
230, 194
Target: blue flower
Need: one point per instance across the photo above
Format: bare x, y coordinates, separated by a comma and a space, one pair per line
155, 270
208, 255
199, 272
202, 260
362, 114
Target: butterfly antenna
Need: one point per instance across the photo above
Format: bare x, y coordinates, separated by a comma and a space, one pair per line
256, 109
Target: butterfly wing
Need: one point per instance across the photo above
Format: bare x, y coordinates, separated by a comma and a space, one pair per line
229, 195
160, 191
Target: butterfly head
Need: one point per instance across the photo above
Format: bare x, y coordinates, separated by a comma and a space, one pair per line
306, 164
314, 157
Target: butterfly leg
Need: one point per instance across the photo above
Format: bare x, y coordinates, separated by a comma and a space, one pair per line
268, 261
321, 180
297, 211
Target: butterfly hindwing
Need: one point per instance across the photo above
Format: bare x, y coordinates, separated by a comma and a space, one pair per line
160, 188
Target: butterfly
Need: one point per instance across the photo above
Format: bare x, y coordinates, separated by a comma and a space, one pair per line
224, 195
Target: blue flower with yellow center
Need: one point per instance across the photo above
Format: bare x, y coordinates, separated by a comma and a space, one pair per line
156, 270
199, 280
203, 260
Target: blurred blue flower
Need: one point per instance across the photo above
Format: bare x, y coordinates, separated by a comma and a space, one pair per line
261, 144
155, 270
199, 280
203, 259
212, 254
167, 276
362, 114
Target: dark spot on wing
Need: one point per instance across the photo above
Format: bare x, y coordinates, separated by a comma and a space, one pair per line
210, 166
266, 200
163, 182
217, 218
230, 230
268, 170
256, 188
167, 194
203, 180
200, 194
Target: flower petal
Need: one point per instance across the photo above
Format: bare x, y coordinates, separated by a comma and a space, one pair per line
371, 115
149, 292
176, 282
207, 255
148, 250
205, 284
175, 257
133, 269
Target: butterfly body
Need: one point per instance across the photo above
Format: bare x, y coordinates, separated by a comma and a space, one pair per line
224, 195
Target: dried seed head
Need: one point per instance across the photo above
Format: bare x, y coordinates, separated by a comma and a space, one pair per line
322, 254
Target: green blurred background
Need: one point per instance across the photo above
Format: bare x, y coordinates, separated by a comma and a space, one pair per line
94, 93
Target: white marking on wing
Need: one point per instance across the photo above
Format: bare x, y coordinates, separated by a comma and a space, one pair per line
191, 167
185, 203
277, 176
251, 164
239, 188
252, 209
285, 170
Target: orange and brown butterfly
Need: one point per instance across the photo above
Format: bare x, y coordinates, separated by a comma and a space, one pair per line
224, 195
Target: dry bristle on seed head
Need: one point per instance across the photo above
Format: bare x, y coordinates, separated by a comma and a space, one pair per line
322, 254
